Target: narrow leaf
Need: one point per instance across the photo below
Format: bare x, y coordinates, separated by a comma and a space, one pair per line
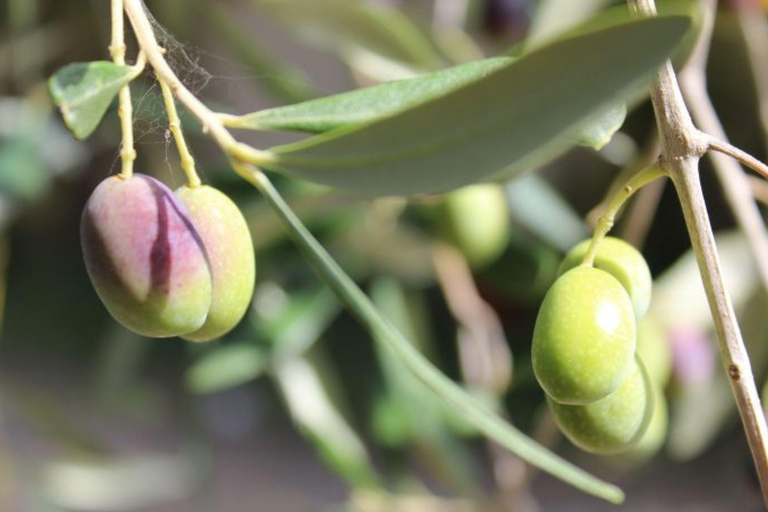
517, 116
368, 104
83, 92
486, 421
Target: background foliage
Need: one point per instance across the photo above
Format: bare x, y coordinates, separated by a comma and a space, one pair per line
297, 410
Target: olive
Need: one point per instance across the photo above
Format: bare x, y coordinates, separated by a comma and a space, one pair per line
584, 337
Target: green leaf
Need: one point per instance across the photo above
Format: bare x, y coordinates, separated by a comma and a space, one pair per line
598, 133
23, 174
315, 413
353, 28
514, 118
553, 17
486, 421
227, 367
538, 207
368, 104
83, 92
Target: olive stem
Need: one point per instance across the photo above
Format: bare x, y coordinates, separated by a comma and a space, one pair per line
174, 123
604, 225
682, 146
117, 50
210, 121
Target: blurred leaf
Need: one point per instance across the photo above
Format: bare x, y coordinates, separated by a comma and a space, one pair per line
598, 133
227, 367
351, 27
679, 299
292, 329
104, 485
368, 104
539, 208
83, 92
284, 81
425, 417
429, 376
315, 414
299, 323
702, 409
553, 17
23, 174
515, 117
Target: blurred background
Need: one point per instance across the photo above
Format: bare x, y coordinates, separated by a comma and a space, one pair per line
297, 410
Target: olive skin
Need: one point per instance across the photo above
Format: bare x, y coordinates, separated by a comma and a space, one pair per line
615, 423
623, 262
655, 435
145, 258
477, 222
227, 239
653, 346
584, 338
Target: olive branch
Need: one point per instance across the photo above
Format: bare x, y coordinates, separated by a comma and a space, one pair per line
682, 145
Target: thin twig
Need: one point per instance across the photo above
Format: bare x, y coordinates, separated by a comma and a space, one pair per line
174, 124
682, 147
742, 156
645, 158
117, 50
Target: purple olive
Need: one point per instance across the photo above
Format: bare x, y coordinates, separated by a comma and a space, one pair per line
145, 258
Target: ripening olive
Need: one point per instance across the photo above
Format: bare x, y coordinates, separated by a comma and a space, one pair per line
145, 258
225, 236
613, 424
584, 338
624, 262
478, 222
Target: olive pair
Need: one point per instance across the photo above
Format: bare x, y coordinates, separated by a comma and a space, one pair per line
168, 264
584, 348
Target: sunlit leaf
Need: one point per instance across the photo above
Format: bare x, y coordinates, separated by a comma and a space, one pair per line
515, 117
368, 104
84, 91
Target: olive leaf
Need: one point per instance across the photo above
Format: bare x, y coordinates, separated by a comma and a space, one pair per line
368, 104
514, 118
83, 92
365, 105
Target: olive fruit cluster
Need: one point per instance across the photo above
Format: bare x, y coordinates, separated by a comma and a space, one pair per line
168, 264
584, 348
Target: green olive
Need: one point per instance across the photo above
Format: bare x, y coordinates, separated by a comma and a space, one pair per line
477, 221
624, 262
654, 348
654, 437
145, 258
225, 234
613, 424
584, 338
